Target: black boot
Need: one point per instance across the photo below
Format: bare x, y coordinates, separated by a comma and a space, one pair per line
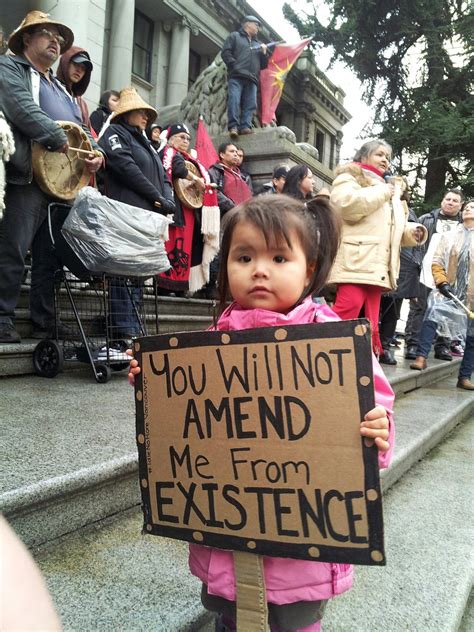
387, 357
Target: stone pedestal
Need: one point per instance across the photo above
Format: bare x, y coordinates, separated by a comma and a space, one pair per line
273, 146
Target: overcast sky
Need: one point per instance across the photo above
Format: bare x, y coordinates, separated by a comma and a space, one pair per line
272, 13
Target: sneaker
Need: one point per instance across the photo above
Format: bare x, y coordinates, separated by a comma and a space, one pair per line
457, 350
8, 333
114, 354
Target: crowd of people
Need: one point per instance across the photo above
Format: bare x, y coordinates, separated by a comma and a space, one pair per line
280, 245
385, 252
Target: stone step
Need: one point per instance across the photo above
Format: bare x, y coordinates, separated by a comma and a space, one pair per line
108, 577
83, 296
87, 468
16, 358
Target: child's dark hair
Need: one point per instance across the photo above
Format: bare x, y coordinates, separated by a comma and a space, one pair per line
315, 223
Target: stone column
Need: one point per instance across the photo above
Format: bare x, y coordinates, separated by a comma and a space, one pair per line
178, 67
72, 13
119, 73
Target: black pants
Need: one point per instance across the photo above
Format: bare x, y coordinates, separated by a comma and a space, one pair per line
389, 315
24, 226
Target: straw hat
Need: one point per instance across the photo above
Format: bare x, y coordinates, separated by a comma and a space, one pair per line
34, 18
131, 100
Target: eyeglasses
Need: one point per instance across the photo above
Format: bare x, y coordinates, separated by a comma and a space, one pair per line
55, 36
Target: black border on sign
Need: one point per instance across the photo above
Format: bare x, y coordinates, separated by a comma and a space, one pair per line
363, 360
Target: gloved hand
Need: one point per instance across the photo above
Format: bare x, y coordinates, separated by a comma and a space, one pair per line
166, 206
446, 289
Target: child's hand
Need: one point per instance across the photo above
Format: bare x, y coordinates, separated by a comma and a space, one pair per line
376, 426
134, 368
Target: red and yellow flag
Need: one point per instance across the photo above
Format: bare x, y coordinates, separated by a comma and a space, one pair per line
272, 79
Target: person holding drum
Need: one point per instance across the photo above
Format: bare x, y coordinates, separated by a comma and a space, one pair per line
194, 237
33, 100
134, 175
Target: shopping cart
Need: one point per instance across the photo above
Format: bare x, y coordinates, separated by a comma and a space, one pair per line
96, 316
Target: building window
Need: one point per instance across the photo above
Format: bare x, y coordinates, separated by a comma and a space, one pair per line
142, 46
194, 67
319, 144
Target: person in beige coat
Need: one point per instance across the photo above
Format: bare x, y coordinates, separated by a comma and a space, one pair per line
374, 228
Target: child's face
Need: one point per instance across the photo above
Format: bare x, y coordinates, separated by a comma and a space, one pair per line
265, 277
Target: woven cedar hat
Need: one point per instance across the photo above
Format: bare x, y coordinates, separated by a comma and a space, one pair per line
35, 18
131, 100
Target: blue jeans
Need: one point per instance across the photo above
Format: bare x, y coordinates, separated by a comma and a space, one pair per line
241, 103
467, 365
125, 302
427, 335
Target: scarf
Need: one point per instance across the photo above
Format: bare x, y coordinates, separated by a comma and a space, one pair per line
366, 167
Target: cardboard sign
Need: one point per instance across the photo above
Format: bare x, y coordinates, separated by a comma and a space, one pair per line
249, 440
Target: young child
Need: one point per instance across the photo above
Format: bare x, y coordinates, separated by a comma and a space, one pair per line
276, 252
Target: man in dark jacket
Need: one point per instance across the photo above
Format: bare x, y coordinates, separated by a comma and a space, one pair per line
32, 100
439, 220
232, 188
244, 57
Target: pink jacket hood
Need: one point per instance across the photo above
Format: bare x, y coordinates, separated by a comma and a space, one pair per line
286, 580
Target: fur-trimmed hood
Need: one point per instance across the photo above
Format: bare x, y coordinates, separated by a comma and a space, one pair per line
363, 177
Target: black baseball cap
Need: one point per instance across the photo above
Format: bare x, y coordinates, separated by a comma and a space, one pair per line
82, 58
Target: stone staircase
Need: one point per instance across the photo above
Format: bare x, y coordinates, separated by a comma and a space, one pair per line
70, 489
174, 314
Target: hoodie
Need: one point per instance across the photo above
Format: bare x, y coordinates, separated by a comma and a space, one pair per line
76, 90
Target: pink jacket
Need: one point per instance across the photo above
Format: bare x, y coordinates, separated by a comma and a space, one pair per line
286, 580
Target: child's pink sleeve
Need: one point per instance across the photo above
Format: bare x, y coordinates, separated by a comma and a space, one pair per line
384, 396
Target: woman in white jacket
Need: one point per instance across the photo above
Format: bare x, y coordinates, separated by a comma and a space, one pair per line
374, 227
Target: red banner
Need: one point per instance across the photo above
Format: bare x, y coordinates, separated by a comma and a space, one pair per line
206, 153
272, 79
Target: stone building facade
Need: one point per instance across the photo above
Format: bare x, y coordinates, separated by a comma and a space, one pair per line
161, 47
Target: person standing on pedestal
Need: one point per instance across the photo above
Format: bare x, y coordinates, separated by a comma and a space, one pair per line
244, 57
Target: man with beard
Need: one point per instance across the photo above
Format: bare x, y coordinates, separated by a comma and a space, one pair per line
32, 100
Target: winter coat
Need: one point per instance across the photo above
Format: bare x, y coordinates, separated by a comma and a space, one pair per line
134, 173
243, 57
373, 229
75, 89
446, 257
19, 100
286, 580
216, 172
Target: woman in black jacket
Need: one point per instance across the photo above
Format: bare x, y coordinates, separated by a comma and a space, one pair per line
107, 104
134, 175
